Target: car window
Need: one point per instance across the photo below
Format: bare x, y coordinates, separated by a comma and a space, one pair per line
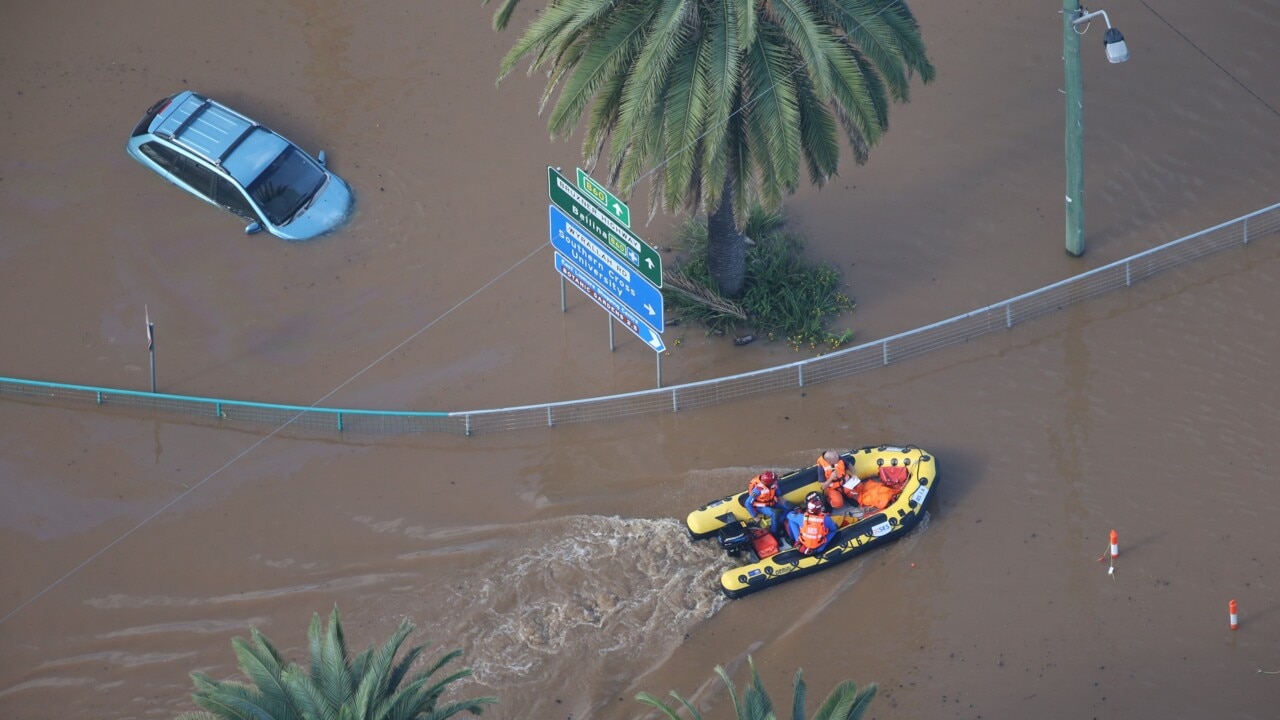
195, 174
165, 157
286, 185
230, 197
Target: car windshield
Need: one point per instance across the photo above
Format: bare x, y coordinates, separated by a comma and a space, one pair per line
286, 185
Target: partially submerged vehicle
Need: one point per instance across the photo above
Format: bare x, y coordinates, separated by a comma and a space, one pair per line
763, 563
228, 160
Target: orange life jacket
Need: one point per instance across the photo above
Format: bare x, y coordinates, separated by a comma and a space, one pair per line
833, 472
813, 531
768, 495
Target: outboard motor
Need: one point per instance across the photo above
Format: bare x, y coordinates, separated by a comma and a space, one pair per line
734, 538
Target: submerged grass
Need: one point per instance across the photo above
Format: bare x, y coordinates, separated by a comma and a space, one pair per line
786, 298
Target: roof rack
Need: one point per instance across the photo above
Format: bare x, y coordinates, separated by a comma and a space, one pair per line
191, 117
235, 143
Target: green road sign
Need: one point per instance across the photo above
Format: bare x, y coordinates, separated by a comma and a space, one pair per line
595, 220
604, 198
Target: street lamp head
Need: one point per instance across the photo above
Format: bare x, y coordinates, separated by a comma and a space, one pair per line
1113, 41
1117, 50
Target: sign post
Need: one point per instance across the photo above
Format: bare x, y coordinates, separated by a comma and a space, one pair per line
597, 253
151, 344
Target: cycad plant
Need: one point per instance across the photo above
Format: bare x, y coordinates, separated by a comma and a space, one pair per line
846, 701
336, 686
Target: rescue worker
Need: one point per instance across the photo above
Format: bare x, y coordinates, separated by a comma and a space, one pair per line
813, 529
835, 473
764, 498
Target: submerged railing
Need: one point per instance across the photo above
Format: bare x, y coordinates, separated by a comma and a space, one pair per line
843, 363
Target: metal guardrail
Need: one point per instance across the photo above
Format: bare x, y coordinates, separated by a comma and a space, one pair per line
843, 363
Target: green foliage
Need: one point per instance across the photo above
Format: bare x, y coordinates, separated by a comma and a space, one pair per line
846, 701
784, 297
718, 103
336, 686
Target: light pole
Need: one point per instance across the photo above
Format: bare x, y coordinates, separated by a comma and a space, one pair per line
1117, 52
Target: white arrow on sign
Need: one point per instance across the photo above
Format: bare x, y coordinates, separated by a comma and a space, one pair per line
620, 312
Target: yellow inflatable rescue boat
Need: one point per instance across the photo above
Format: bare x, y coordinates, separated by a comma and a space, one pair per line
860, 528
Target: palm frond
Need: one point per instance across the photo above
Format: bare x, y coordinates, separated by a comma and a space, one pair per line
665, 36
331, 673
809, 36
262, 665
675, 280
686, 103
798, 692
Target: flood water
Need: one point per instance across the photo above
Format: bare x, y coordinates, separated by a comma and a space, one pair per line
136, 546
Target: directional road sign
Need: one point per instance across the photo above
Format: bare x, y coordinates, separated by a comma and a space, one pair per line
602, 266
604, 198
620, 241
619, 312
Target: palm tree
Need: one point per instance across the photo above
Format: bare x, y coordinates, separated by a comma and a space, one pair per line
719, 100
366, 687
846, 701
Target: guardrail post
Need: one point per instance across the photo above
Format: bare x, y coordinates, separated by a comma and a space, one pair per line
467, 425
1128, 274
99, 397
800, 368
549, 423
1246, 231
884, 347
675, 402
339, 422
1008, 316
217, 407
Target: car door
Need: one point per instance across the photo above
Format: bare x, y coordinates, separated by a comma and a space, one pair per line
229, 196
198, 177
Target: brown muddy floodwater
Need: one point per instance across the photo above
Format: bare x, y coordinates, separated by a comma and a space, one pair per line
136, 547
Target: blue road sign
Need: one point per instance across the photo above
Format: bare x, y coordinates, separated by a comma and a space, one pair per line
605, 268
620, 312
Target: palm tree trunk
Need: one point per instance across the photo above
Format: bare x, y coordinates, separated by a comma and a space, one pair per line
726, 248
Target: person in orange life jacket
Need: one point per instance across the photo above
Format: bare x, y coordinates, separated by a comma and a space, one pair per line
813, 529
835, 473
764, 498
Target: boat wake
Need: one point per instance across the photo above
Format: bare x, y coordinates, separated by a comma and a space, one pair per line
575, 591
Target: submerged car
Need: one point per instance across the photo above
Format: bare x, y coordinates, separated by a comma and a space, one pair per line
228, 160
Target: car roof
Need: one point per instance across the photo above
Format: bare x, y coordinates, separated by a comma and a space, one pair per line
221, 135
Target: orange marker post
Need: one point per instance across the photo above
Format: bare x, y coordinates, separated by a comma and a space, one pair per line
1235, 619
1115, 544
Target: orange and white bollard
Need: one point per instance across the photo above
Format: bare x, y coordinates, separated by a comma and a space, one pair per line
1115, 544
1235, 619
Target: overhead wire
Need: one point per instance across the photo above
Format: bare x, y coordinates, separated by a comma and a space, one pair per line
1208, 57
101, 551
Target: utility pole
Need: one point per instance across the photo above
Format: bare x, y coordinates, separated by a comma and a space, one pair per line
1075, 128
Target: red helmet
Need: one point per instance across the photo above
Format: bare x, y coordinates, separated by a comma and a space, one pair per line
813, 503
768, 477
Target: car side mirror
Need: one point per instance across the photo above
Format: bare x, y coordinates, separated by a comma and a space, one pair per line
252, 228
320, 157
